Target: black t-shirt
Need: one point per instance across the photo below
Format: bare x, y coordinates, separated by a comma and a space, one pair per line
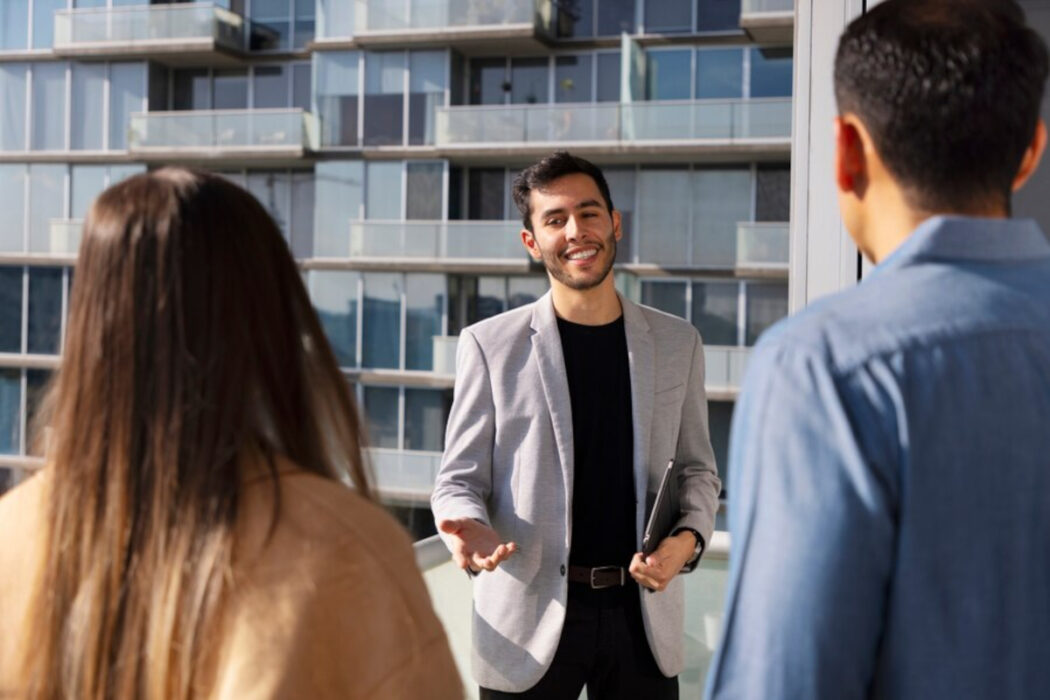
603, 502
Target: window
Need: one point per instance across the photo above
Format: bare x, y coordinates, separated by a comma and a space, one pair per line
615, 17
230, 89
87, 129
45, 310
715, 312
668, 74
36, 383
666, 296
572, 78
339, 198
666, 16
47, 186
426, 412
717, 15
10, 309
12, 204
664, 195
381, 409
10, 408
14, 24
773, 193
270, 87
384, 97
488, 81
49, 107
766, 304
575, 19
13, 106
423, 199
528, 80
424, 310
334, 294
486, 191
191, 88
381, 332
771, 72
305, 23
44, 21
721, 197
86, 183
426, 93
608, 88
383, 191
337, 94
273, 23
127, 93
335, 18
719, 73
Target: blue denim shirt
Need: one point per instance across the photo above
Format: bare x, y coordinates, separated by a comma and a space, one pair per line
889, 481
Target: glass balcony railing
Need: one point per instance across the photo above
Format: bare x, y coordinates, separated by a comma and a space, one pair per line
762, 244
64, 235
437, 240
610, 123
147, 24
402, 15
724, 366
750, 7
705, 591
404, 474
247, 129
444, 349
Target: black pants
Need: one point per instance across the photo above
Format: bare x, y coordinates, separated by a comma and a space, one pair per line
603, 646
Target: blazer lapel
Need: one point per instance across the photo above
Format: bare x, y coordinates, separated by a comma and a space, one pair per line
643, 384
546, 344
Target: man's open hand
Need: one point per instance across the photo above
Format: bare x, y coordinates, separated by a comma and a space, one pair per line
656, 570
475, 546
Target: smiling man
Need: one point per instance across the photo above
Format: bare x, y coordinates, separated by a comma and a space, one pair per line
566, 412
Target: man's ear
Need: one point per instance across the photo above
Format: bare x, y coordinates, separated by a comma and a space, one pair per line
850, 163
1032, 155
528, 239
617, 223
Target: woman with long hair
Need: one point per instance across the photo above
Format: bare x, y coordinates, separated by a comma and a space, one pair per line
189, 534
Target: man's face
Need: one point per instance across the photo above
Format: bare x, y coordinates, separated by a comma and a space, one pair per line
572, 232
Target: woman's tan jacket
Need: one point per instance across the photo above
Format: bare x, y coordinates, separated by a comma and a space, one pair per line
331, 606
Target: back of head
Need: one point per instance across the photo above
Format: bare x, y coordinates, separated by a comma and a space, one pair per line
950, 91
192, 353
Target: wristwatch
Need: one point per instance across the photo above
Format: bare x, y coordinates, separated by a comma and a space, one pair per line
697, 551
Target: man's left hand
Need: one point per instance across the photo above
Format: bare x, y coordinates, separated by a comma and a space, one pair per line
656, 570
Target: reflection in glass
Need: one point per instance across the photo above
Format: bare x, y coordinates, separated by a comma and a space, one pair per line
12, 204
384, 190
715, 306
663, 217
766, 304
667, 74
49, 106
719, 73
337, 91
426, 92
426, 412
381, 330
721, 198
771, 72
572, 78
10, 309
667, 296
10, 408
12, 107
89, 80
424, 308
45, 310
339, 195
334, 295
381, 416
384, 98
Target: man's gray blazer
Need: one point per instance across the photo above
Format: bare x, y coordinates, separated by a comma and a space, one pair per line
508, 462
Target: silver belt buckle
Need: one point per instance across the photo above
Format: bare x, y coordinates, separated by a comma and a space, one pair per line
598, 569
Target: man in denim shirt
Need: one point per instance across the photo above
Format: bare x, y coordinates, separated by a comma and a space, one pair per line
889, 468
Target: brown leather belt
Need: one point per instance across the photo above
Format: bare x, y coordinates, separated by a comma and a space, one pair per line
599, 576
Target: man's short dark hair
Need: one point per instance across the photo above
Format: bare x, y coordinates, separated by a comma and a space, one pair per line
950, 91
540, 174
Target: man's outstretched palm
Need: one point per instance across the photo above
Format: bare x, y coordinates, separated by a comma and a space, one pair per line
475, 546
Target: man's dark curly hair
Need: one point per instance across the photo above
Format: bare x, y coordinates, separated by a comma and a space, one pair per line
950, 91
542, 173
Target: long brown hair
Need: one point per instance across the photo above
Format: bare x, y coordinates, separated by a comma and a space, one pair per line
192, 349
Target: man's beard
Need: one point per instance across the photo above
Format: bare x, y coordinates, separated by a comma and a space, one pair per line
556, 267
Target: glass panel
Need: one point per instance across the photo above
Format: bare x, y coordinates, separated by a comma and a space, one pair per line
191, 88
49, 106
36, 384
663, 221
123, 172
608, 88
304, 23
525, 290
528, 80
334, 295
14, 24
424, 308
668, 16
719, 419
12, 204
230, 89
717, 15
575, 19
486, 193
339, 194
270, 87
766, 304
719, 73
10, 309
273, 20
426, 412
10, 409
44, 21
722, 197
423, 200
272, 191
381, 332
773, 193
381, 415
615, 17
45, 310
337, 18
427, 70
127, 93
302, 214
301, 76
771, 72
621, 188
715, 312
488, 81
384, 98
572, 78
89, 80
667, 75
86, 183
666, 296
12, 107
383, 191
47, 187
489, 299
337, 90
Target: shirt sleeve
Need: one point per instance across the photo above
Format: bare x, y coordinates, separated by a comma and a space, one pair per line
812, 519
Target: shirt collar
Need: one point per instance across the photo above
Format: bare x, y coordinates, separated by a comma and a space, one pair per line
959, 238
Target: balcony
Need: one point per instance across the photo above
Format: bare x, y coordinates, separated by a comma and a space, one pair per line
448, 243
403, 476
724, 369
175, 34
705, 591
64, 236
762, 245
768, 21
732, 127
258, 136
471, 26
